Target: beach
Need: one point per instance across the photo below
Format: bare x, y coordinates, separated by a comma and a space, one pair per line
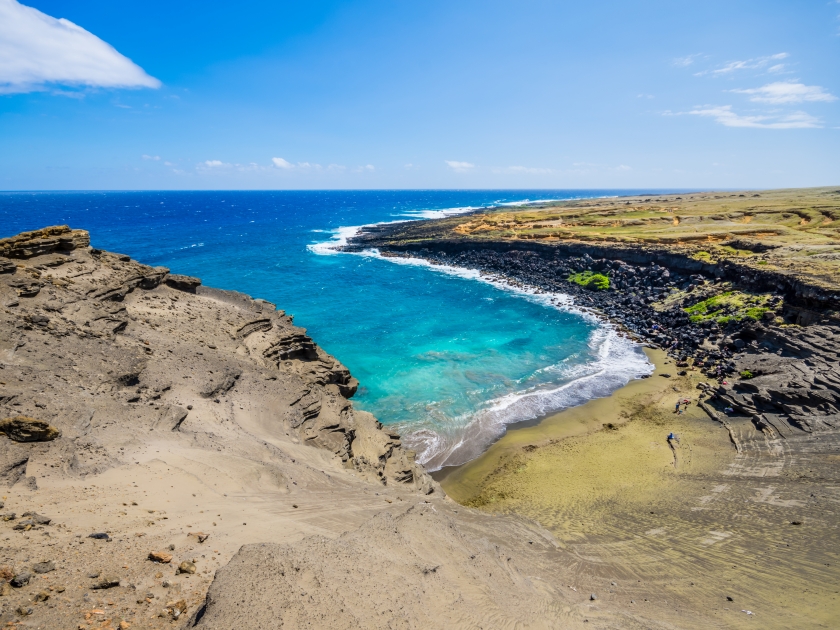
682, 524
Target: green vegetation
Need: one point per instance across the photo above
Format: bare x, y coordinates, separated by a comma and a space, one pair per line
728, 306
591, 280
746, 374
795, 232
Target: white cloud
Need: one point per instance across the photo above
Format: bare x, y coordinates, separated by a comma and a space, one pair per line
756, 63
281, 163
787, 92
726, 117
151, 157
214, 164
459, 167
623, 167
682, 62
37, 50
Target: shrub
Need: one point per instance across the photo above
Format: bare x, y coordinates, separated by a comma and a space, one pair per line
746, 374
591, 280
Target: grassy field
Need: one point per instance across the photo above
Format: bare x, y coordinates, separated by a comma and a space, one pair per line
795, 229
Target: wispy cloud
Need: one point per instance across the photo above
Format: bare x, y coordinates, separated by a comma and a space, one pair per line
281, 163
787, 92
304, 166
684, 62
460, 167
37, 50
725, 116
227, 167
757, 63
151, 157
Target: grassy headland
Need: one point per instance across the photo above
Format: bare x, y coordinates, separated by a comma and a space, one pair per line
792, 231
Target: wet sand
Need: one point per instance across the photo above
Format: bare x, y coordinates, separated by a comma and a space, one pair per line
677, 526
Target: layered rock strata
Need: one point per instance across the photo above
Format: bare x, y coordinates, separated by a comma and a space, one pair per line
132, 334
142, 413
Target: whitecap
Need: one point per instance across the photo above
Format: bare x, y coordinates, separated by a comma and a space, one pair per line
458, 440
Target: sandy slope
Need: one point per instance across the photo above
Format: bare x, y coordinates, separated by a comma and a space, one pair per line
680, 526
203, 425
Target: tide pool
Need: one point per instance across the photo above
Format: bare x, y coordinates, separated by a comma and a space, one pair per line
449, 358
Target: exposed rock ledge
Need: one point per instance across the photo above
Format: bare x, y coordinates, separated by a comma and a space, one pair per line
67, 320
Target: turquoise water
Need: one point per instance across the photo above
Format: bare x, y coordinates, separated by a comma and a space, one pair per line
449, 358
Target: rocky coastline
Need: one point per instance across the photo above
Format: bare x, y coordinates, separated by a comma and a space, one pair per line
174, 455
776, 365
177, 456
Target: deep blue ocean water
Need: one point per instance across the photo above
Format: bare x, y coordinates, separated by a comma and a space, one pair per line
449, 358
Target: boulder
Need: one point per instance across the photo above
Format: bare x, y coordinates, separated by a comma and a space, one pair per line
106, 582
44, 567
160, 556
26, 429
182, 283
21, 579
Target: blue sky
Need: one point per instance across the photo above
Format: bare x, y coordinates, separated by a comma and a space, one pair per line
432, 94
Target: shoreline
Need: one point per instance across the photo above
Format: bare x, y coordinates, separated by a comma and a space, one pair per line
459, 481
732, 516
554, 300
186, 436
709, 528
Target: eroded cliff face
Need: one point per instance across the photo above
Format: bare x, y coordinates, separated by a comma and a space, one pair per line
91, 339
152, 412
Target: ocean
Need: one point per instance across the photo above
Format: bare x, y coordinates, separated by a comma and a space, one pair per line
447, 357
